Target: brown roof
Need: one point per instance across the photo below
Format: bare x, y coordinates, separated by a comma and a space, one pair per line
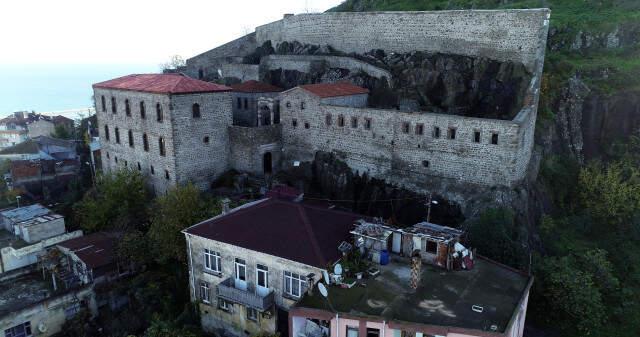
161, 84
24, 169
95, 250
253, 86
290, 230
325, 90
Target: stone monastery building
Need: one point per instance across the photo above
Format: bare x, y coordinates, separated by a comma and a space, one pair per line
182, 127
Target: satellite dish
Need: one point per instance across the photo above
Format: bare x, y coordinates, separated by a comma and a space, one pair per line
323, 289
337, 269
326, 277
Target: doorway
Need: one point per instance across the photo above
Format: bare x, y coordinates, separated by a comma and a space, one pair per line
267, 163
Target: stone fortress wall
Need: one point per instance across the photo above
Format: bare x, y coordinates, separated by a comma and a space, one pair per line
386, 151
504, 35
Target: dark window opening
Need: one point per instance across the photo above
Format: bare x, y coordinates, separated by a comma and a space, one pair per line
166, 175
104, 104
354, 122
200, 74
130, 138
419, 129
153, 171
116, 159
452, 133
494, 139
139, 167
302, 106
106, 132
432, 247
143, 113
145, 142
371, 332
239, 103
436, 132
126, 163
327, 119
195, 109
367, 123
117, 136
114, 107
288, 104
405, 127
159, 116
425, 163
340, 121
127, 107
108, 155
306, 125
161, 147
294, 122
206, 139
476, 136
267, 164
246, 104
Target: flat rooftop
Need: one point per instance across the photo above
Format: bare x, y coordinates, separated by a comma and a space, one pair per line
443, 298
7, 239
22, 292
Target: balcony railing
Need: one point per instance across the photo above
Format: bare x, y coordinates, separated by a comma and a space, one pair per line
227, 290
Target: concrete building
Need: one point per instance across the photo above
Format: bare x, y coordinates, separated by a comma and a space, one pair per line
249, 266
245, 97
23, 125
168, 126
41, 148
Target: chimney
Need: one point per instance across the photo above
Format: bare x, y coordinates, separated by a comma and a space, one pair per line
416, 264
225, 205
287, 16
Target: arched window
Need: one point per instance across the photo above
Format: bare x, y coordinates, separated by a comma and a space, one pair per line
130, 138
159, 116
114, 107
200, 73
328, 119
117, 136
302, 106
340, 121
104, 104
127, 108
143, 112
195, 109
106, 132
145, 142
166, 175
161, 147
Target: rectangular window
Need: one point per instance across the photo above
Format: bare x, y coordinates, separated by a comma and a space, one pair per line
252, 314
327, 119
212, 261
239, 103
367, 123
293, 284
352, 331
436, 132
204, 292
224, 305
340, 121
354, 122
262, 276
405, 127
294, 122
21, 330
246, 104
494, 138
371, 332
476, 136
241, 270
432, 247
419, 129
451, 133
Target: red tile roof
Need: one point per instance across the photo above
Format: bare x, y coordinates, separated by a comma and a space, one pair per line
324, 90
290, 230
95, 250
161, 84
253, 86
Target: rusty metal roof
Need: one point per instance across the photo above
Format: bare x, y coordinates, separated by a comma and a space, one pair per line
253, 86
325, 90
161, 84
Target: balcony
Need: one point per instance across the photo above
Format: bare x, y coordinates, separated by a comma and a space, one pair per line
227, 290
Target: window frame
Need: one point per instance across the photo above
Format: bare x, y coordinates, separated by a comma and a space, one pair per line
252, 317
419, 129
262, 269
341, 121
406, 127
291, 279
212, 261
495, 140
205, 295
26, 330
224, 305
238, 264
477, 136
162, 147
452, 133
436, 132
367, 123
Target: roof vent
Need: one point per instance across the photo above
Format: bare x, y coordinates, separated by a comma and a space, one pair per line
477, 308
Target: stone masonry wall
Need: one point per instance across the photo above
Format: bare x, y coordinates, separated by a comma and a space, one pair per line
513, 35
304, 63
198, 160
213, 318
211, 60
130, 157
386, 151
249, 144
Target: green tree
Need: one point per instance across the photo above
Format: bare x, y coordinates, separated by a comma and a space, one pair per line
180, 208
119, 202
161, 328
496, 235
61, 131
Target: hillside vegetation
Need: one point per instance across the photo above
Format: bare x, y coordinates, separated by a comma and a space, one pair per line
586, 258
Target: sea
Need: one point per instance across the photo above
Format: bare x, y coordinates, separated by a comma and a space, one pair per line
58, 89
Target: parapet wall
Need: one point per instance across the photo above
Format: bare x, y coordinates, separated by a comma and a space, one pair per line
505, 35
